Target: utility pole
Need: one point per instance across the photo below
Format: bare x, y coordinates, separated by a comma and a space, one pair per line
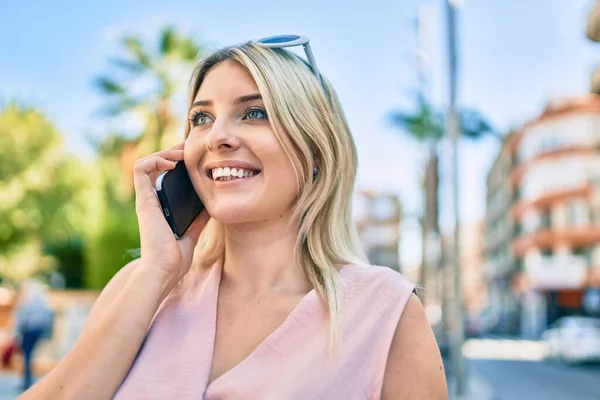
458, 365
429, 221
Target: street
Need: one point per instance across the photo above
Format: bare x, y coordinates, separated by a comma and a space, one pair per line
518, 370
9, 387
531, 380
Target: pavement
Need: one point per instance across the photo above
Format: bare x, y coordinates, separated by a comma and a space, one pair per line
9, 386
513, 369
543, 380
478, 388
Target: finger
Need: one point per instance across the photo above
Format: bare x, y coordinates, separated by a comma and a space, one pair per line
142, 179
173, 155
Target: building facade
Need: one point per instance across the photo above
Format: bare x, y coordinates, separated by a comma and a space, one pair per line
500, 266
543, 218
378, 220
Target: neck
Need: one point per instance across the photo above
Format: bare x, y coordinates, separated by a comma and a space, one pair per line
259, 258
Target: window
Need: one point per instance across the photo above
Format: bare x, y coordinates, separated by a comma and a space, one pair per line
578, 213
583, 252
546, 219
546, 252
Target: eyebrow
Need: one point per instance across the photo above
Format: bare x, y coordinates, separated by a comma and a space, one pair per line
239, 100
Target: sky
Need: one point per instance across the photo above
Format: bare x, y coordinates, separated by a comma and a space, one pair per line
514, 56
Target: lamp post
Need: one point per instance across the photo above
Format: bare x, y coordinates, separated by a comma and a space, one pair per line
452, 122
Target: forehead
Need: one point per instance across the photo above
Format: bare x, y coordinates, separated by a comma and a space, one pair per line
226, 80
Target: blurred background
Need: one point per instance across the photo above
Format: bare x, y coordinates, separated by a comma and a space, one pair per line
478, 132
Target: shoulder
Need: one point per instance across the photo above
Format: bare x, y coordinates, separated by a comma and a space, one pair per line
414, 367
370, 280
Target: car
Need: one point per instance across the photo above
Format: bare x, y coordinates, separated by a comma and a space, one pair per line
481, 323
574, 339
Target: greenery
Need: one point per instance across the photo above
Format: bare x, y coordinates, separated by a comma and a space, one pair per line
40, 191
160, 69
427, 125
61, 214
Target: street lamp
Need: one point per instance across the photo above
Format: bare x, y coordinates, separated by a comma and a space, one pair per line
452, 122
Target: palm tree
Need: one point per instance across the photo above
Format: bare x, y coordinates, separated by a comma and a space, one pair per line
427, 125
142, 83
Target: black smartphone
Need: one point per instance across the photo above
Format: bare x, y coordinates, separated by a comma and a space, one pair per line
178, 199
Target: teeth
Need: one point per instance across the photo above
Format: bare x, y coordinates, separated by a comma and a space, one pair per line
227, 173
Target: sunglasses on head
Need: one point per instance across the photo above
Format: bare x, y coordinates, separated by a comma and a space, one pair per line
281, 41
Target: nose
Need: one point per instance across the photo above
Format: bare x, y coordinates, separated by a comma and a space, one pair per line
221, 139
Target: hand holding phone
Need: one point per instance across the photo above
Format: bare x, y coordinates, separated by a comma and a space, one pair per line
161, 252
178, 199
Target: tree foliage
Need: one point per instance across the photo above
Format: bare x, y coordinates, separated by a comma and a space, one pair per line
40, 191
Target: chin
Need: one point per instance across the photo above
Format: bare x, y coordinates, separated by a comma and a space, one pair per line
233, 215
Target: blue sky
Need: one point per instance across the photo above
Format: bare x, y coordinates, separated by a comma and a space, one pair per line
514, 56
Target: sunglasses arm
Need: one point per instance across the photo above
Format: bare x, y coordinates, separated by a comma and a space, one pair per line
312, 62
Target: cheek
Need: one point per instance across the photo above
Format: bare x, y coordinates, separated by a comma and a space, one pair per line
194, 149
282, 184
192, 154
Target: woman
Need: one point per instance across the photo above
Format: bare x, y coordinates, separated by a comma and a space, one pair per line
270, 297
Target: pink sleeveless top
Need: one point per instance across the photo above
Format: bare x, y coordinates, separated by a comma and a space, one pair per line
291, 363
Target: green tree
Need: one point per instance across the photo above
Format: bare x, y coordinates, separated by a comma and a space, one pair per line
113, 229
40, 191
143, 83
426, 125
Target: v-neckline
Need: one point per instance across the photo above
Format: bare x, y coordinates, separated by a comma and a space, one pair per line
216, 283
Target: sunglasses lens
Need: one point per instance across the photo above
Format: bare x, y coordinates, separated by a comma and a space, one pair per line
279, 39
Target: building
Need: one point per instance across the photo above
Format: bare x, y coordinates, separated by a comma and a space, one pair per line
543, 217
378, 217
471, 266
472, 274
500, 264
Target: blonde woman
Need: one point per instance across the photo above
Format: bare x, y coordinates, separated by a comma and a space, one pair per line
268, 295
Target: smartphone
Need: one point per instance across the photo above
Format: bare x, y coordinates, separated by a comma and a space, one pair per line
178, 199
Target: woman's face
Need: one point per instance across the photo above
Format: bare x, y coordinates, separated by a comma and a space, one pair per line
233, 157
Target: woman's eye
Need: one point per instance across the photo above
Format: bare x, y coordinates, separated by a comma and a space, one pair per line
255, 113
200, 119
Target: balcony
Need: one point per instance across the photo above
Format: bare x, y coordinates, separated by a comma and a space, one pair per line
516, 175
573, 237
557, 272
545, 200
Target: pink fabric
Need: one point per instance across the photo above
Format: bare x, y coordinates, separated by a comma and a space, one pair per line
291, 363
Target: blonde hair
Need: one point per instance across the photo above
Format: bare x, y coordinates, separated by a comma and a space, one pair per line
312, 130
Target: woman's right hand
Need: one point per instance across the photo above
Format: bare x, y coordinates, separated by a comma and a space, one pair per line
160, 250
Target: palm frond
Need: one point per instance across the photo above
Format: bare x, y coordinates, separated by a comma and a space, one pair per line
422, 124
168, 41
173, 44
132, 67
108, 86
189, 50
473, 125
135, 47
120, 106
